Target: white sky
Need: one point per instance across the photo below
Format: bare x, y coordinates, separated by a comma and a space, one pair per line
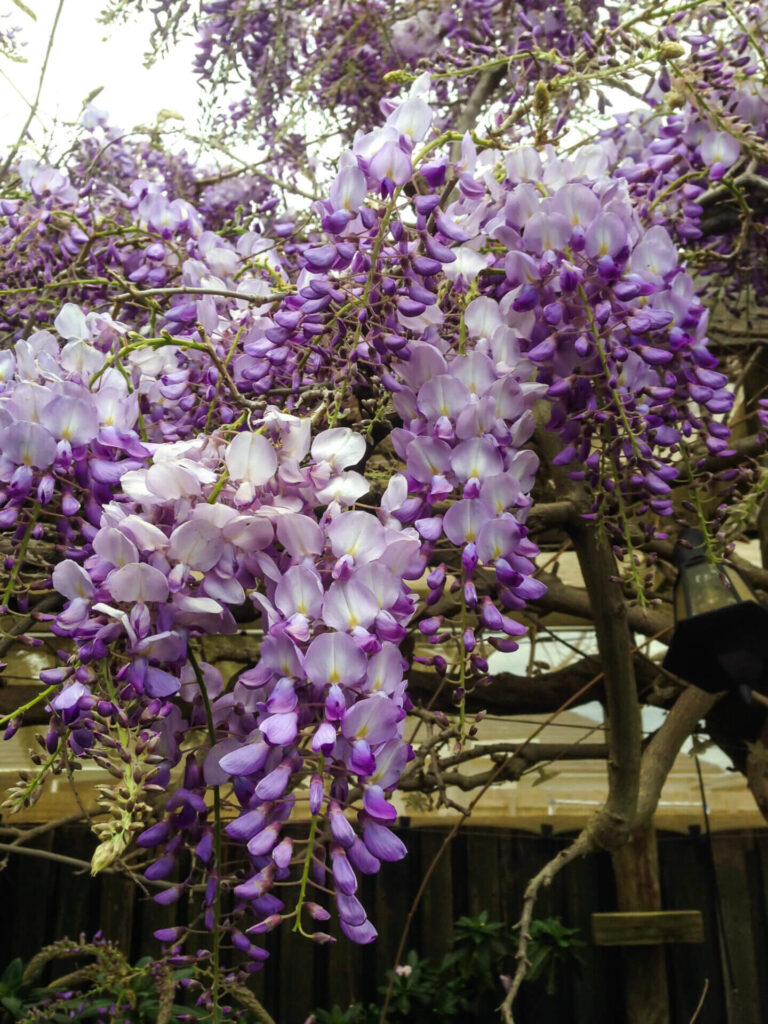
86, 55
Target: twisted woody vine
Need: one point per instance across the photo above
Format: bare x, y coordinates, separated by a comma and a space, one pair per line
343, 394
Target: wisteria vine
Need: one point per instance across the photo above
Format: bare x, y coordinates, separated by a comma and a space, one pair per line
200, 379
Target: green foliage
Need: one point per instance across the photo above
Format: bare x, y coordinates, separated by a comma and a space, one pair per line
552, 945
465, 986
107, 988
355, 1014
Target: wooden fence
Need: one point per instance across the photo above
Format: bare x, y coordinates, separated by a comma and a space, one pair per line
484, 869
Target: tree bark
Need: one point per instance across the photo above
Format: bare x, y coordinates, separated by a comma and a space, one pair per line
633, 848
636, 870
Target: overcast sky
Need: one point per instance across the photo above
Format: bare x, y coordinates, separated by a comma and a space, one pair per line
86, 55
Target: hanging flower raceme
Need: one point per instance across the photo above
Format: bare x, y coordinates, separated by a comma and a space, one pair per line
211, 524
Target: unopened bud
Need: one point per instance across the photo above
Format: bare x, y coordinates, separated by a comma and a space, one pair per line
541, 99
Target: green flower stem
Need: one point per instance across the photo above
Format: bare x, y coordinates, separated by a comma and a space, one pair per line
297, 927
30, 704
22, 552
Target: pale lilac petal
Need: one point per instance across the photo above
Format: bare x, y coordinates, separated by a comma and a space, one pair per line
606, 236
69, 696
137, 582
497, 539
719, 148
339, 446
482, 317
70, 323
300, 536
251, 457
334, 658
348, 189
28, 444
392, 163
325, 736
300, 591
348, 605
280, 730
146, 536
391, 759
281, 655
71, 580
72, 419
357, 534
374, 719
114, 547
346, 489
197, 544
478, 457
245, 759
463, 520
251, 533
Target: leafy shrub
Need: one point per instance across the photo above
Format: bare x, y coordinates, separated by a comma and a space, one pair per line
466, 984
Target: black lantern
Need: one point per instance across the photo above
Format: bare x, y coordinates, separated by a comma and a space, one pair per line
721, 631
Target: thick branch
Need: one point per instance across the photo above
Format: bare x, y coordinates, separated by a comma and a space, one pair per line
429, 779
609, 612
509, 694
561, 597
659, 755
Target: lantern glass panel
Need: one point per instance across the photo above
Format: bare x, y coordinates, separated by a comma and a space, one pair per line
705, 588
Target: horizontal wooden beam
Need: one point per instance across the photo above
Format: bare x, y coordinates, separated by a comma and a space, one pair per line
647, 928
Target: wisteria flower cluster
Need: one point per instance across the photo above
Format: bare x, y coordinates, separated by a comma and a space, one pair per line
196, 383
325, 703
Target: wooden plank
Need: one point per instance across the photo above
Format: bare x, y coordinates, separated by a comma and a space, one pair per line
390, 911
483, 881
742, 994
753, 882
436, 910
116, 912
647, 928
296, 988
76, 910
589, 1002
687, 882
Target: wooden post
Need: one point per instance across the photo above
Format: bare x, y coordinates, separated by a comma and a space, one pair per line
636, 870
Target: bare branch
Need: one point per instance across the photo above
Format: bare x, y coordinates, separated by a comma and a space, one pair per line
659, 755
582, 844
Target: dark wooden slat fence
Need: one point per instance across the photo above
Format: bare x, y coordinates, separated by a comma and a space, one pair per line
484, 869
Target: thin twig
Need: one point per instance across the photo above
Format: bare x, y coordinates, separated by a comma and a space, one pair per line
582, 844
700, 1004
140, 293
33, 109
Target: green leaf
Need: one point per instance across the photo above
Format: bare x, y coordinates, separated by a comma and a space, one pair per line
11, 977
13, 1005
